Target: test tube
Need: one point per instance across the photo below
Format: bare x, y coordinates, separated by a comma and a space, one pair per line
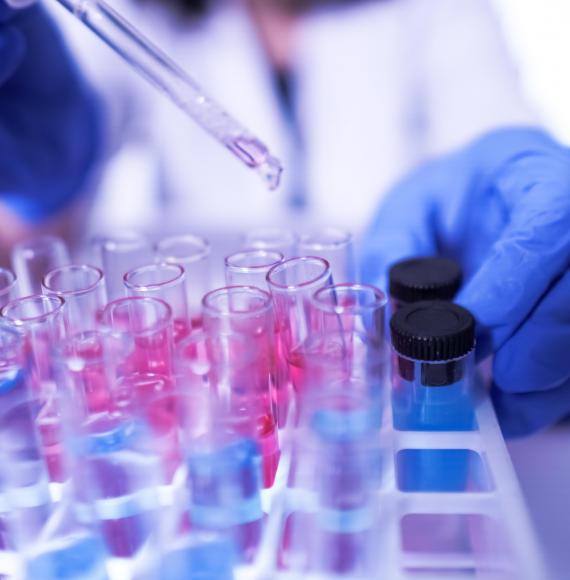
83, 289
225, 485
434, 346
272, 238
148, 322
118, 255
41, 319
292, 284
239, 324
336, 246
193, 254
24, 480
116, 475
34, 258
8, 285
250, 268
165, 282
339, 462
67, 548
349, 340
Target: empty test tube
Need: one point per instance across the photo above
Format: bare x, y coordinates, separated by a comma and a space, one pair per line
193, 254
336, 246
148, 323
348, 339
117, 255
83, 289
165, 282
8, 287
34, 258
292, 284
240, 329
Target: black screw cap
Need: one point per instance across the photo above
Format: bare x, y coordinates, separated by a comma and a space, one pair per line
433, 331
427, 278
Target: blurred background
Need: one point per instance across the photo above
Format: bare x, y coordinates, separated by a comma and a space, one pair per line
538, 36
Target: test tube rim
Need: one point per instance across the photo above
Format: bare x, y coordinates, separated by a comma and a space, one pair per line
215, 312
295, 287
280, 258
380, 299
74, 267
161, 324
12, 281
124, 242
293, 237
170, 283
203, 243
345, 239
24, 321
34, 243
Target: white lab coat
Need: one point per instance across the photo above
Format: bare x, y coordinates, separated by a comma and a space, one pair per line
379, 87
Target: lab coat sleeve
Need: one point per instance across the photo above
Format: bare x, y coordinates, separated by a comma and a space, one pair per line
468, 82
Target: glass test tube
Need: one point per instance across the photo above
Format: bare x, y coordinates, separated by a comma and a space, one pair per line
292, 285
83, 289
41, 319
225, 485
8, 286
272, 238
166, 282
336, 246
118, 255
348, 342
34, 258
338, 464
239, 323
193, 254
24, 479
147, 369
250, 268
116, 474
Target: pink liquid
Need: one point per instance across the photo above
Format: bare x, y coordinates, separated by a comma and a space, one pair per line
270, 453
181, 329
50, 432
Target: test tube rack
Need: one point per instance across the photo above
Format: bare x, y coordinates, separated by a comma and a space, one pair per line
481, 532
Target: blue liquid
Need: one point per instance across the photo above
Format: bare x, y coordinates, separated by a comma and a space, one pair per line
416, 407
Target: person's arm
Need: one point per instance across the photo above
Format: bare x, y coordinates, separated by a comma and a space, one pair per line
50, 130
468, 81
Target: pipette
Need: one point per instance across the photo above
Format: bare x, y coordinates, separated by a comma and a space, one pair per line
162, 72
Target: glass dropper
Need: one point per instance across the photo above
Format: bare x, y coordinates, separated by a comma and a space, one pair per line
170, 79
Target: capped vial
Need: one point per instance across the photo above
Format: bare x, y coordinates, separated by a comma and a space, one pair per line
424, 278
434, 344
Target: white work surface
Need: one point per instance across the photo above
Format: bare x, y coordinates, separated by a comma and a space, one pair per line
542, 463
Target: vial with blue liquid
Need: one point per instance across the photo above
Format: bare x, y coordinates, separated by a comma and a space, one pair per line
434, 345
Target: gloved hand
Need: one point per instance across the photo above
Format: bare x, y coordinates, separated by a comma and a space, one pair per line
501, 208
48, 117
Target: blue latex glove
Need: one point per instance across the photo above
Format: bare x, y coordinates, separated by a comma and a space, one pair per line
49, 118
501, 208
